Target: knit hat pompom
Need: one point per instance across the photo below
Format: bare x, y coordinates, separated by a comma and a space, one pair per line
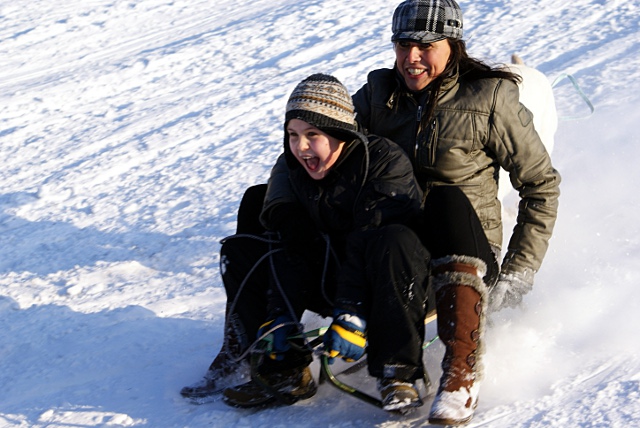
322, 101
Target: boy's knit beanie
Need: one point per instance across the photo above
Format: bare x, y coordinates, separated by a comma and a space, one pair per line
322, 101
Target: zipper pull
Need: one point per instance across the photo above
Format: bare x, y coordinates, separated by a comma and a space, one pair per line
419, 114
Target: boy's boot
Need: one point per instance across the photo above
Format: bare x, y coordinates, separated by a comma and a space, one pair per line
398, 395
285, 381
460, 301
287, 387
225, 369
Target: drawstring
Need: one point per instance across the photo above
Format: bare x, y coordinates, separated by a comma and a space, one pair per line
231, 309
276, 280
269, 254
328, 251
365, 176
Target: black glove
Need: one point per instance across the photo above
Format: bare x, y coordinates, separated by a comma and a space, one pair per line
509, 290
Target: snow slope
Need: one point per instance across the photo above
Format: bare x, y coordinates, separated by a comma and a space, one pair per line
130, 130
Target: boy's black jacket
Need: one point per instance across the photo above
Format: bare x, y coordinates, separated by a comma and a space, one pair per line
372, 184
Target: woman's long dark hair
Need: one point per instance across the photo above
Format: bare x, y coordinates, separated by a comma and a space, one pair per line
468, 69
474, 69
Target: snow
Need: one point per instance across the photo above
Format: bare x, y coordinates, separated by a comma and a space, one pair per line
130, 131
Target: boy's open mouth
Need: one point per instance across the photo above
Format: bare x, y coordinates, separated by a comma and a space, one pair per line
311, 162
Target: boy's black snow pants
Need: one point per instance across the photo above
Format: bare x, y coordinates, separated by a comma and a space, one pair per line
242, 270
387, 269
395, 304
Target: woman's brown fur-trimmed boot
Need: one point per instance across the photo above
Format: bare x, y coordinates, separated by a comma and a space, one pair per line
460, 302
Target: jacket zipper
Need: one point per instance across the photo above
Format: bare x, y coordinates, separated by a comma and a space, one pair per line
418, 120
429, 139
432, 143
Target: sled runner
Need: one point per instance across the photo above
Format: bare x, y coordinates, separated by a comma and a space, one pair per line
326, 373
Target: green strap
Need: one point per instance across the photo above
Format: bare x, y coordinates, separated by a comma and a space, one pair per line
311, 333
429, 343
580, 92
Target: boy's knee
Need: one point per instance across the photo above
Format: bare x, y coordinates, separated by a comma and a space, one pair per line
250, 209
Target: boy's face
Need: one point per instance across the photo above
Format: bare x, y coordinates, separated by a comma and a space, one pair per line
316, 151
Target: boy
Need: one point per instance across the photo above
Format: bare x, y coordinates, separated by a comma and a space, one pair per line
347, 250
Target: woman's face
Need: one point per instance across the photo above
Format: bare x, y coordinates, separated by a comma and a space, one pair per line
419, 64
316, 151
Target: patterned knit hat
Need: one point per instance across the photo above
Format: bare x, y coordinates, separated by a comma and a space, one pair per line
322, 101
426, 21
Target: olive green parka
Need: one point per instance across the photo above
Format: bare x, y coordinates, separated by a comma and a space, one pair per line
477, 127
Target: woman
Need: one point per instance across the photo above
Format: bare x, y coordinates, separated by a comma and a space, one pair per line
460, 121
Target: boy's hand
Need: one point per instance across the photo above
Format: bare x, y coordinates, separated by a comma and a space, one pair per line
276, 331
346, 337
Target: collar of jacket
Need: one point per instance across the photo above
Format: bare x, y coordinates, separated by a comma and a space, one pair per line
402, 90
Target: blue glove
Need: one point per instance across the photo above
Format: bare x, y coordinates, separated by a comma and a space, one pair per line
276, 333
509, 290
346, 337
